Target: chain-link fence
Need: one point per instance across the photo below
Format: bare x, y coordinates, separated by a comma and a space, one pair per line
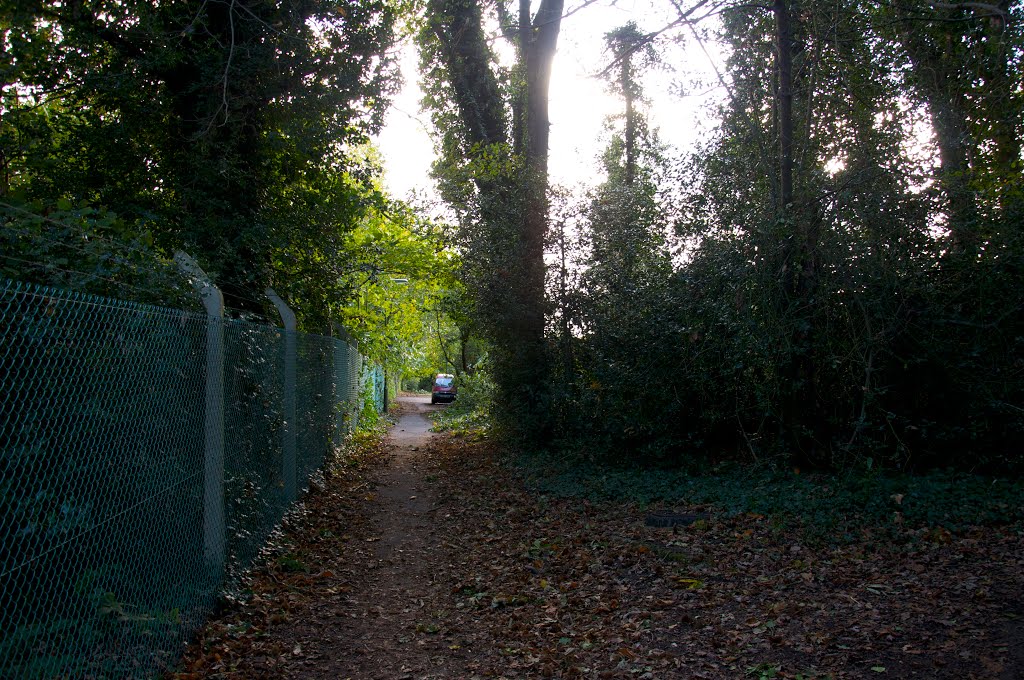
139, 476
376, 374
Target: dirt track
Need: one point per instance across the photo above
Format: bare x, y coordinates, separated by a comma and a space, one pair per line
373, 634
430, 559
360, 599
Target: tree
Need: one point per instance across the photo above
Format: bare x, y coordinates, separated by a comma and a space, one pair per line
963, 62
627, 46
229, 127
497, 170
626, 225
612, 250
401, 271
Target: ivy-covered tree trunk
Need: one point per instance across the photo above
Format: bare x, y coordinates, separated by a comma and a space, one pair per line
947, 105
511, 194
540, 54
800, 217
965, 59
784, 101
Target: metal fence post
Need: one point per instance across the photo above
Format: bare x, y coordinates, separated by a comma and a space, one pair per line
288, 470
340, 378
213, 468
345, 402
355, 373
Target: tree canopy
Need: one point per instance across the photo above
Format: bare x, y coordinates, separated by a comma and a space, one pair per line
832, 278
833, 297
231, 129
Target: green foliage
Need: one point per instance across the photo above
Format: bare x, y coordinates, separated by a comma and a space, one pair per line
834, 508
291, 563
231, 130
850, 324
763, 671
448, 343
89, 249
402, 274
864, 321
472, 412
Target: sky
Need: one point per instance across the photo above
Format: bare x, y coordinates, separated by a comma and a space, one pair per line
579, 100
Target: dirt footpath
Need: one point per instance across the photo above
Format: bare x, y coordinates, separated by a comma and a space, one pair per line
356, 595
428, 558
377, 630
391, 606
374, 634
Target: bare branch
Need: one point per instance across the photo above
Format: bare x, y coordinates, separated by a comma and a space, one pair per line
508, 29
684, 18
582, 5
231, 54
994, 9
569, 13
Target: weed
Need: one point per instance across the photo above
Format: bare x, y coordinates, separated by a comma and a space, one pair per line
763, 671
290, 563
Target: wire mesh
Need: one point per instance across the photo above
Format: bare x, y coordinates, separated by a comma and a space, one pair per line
376, 374
103, 471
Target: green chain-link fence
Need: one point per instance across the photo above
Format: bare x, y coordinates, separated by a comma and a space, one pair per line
118, 527
376, 374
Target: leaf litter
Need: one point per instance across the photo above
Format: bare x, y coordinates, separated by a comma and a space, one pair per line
452, 568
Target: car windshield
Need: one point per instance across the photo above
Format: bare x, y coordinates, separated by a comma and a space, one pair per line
444, 382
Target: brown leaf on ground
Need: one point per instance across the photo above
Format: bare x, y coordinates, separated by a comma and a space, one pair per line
431, 560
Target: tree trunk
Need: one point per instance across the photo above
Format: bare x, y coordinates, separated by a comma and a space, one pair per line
219, 111
935, 65
801, 422
459, 31
529, 326
953, 140
784, 45
511, 292
630, 132
540, 55
463, 344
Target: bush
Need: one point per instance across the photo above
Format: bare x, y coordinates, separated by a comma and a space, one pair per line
472, 409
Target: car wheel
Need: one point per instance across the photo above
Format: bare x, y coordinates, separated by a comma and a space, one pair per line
433, 401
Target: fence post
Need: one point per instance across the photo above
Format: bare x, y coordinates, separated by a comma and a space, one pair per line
213, 467
336, 404
288, 469
345, 403
355, 381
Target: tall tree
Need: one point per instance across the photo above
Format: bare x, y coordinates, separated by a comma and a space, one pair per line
631, 52
627, 270
811, 183
506, 164
964, 64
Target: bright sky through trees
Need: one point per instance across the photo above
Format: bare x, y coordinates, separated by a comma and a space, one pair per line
580, 102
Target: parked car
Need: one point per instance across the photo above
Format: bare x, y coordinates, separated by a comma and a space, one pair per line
444, 388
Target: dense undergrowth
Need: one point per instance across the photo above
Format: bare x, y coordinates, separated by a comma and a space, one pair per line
830, 507
833, 507
470, 413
